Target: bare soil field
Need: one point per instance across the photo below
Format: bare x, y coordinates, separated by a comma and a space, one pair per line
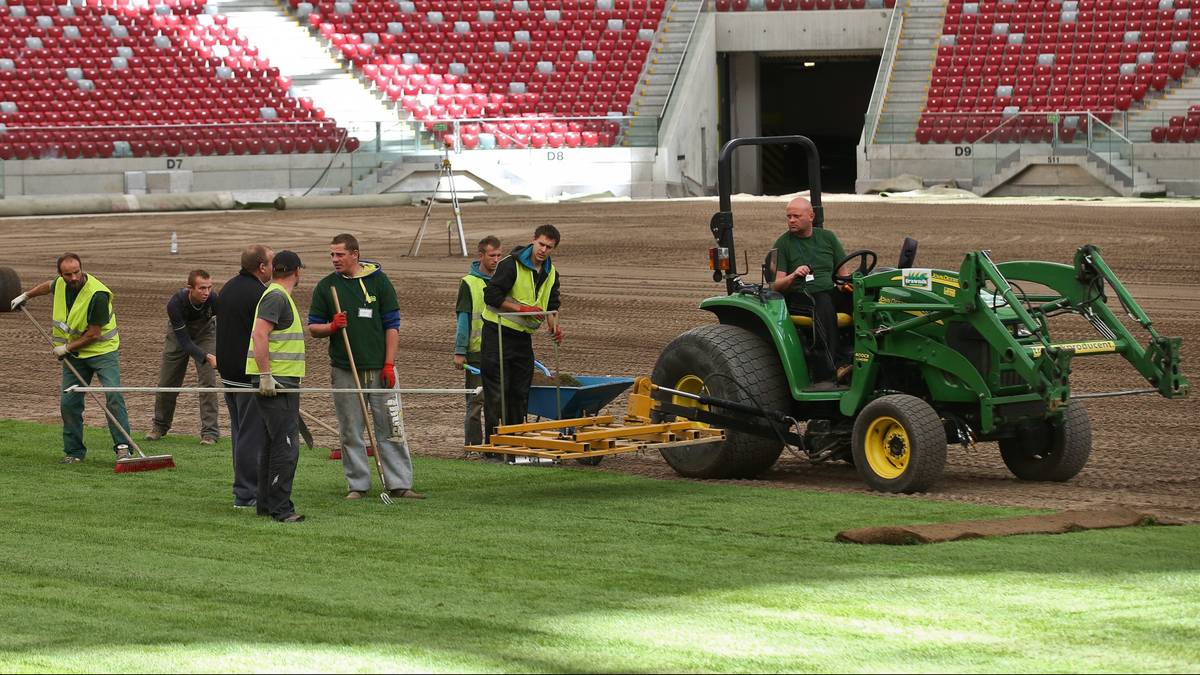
633, 274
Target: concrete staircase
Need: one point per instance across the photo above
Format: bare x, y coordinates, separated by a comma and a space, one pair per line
654, 83
1116, 172
911, 72
1158, 111
314, 71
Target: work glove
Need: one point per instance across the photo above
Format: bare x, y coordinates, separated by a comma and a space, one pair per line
266, 385
18, 301
844, 287
388, 375
339, 321
61, 351
529, 308
558, 334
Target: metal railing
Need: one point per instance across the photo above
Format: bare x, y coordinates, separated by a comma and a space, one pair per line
883, 79
687, 50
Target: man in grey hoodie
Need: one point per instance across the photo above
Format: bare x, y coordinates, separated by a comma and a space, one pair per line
468, 337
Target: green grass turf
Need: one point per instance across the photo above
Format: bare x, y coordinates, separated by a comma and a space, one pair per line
543, 569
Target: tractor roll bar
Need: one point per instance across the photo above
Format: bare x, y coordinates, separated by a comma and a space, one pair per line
722, 221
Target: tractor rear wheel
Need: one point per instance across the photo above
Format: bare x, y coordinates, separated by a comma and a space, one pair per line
10, 287
731, 363
899, 444
1051, 451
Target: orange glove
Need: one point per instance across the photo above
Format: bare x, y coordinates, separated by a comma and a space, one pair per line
339, 321
845, 288
388, 375
529, 308
558, 335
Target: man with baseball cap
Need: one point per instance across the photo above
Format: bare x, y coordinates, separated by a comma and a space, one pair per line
275, 361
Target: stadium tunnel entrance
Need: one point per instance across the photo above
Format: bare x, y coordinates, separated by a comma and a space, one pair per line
823, 97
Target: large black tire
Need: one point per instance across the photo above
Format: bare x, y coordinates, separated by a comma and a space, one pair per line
10, 287
717, 359
1051, 451
899, 444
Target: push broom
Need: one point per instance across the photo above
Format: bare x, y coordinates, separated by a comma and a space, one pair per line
127, 465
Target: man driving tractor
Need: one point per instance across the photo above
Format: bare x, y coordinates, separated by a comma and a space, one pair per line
805, 268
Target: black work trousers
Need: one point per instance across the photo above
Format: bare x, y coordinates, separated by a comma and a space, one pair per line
248, 434
518, 376
826, 353
277, 463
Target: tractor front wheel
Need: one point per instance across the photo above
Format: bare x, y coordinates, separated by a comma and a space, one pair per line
1051, 451
899, 444
734, 364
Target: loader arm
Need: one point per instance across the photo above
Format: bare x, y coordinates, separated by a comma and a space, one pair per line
1080, 289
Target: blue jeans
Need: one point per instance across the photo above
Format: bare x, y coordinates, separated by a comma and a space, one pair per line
105, 367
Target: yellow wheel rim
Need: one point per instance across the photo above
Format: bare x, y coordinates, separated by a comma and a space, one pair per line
692, 384
887, 447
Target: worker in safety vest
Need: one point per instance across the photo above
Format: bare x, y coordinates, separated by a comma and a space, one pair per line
526, 281
275, 361
85, 331
468, 339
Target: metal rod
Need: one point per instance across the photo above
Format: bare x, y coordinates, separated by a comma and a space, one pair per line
103, 406
251, 390
1111, 394
368, 419
319, 422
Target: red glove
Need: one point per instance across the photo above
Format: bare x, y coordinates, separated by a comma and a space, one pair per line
339, 321
388, 375
558, 334
529, 308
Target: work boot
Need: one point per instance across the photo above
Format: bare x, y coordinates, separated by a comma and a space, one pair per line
208, 441
70, 459
843, 372
405, 493
155, 435
355, 494
122, 451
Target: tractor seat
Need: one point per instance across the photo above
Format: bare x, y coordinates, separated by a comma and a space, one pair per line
805, 321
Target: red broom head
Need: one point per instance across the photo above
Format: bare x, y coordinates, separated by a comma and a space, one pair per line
336, 453
134, 464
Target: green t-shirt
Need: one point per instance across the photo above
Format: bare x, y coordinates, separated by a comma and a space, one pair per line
97, 313
364, 318
820, 252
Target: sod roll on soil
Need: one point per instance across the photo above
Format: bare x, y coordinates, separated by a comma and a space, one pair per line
1051, 523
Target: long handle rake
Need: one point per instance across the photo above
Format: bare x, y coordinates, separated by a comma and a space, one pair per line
368, 419
139, 463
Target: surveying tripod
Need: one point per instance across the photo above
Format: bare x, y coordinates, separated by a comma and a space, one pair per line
444, 171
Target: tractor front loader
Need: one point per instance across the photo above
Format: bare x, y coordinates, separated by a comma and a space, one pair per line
940, 356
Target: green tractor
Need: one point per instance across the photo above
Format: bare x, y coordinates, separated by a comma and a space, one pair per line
940, 356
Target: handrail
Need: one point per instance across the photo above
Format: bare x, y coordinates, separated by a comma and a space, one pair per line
682, 57
883, 79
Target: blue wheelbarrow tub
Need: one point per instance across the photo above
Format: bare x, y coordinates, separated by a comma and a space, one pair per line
594, 392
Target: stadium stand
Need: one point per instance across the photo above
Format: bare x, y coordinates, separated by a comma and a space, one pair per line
516, 73
998, 61
115, 78
798, 5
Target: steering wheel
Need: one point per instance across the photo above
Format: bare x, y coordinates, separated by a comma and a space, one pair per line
866, 263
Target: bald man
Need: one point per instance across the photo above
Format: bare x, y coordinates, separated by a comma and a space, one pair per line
804, 251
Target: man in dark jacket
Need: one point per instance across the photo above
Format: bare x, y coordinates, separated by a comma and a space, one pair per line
239, 298
526, 282
191, 335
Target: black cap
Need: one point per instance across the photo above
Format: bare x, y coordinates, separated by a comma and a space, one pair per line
286, 261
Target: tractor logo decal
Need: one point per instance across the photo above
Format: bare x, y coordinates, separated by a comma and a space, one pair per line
862, 357
945, 280
917, 278
1090, 347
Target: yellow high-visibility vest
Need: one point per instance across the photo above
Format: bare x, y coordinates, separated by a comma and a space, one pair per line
70, 325
285, 343
525, 292
476, 285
